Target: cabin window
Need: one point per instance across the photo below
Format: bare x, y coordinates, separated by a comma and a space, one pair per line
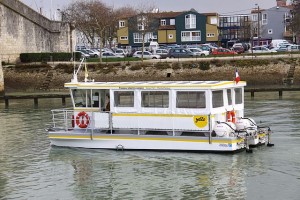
190, 100
238, 95
155, 99
82, 98
124, 98
229, 98
217, 99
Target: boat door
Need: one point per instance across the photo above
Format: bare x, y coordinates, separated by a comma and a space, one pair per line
100, 100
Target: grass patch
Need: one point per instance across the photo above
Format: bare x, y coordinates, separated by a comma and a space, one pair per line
126, 59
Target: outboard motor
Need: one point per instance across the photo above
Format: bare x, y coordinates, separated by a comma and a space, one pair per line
225, 129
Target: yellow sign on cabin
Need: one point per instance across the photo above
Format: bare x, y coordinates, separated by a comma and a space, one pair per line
201, 121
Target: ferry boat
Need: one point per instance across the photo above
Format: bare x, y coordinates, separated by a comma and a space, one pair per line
203, 116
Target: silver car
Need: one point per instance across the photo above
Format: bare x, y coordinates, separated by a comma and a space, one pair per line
147, 55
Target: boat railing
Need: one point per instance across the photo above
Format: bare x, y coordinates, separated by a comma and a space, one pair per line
63, 118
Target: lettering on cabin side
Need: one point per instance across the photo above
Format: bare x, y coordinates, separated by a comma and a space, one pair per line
201, 121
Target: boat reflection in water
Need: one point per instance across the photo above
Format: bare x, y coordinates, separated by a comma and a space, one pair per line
106, 174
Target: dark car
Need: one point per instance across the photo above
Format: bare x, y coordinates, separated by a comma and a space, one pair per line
180, 53
239, 50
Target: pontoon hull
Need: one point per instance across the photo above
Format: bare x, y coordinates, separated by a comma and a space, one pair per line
135, 142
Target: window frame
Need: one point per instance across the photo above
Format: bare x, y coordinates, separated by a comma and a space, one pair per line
201, 101
152, 98
117, 98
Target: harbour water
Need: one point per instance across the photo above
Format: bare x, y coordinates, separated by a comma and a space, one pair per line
31, 169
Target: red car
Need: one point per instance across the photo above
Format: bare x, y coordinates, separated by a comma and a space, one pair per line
222, 51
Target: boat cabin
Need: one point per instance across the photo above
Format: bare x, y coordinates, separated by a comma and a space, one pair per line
166, 107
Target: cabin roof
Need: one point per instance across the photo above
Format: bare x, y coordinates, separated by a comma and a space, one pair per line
156, 85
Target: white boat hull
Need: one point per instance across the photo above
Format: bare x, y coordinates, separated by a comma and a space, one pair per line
163, 143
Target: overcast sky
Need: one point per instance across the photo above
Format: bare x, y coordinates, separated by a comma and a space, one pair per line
202, 6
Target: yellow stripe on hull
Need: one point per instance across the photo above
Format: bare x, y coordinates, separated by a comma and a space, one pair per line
143, 138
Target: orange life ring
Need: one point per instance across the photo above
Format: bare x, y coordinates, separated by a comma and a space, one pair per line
82, 119
231, 116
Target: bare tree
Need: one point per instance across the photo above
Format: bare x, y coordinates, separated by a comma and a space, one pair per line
144, 23
77, 14
295, 21
93, 18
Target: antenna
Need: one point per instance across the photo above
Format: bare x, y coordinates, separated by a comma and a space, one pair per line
75, 79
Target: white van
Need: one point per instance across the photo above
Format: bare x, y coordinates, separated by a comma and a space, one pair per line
278, 42
153, 46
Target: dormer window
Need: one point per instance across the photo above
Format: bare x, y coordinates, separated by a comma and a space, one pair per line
190, 21
121, 24
163, 22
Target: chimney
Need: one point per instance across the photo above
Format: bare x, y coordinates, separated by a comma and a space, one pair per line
281, 3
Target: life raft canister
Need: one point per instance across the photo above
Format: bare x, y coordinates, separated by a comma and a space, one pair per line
231, 116
82, 119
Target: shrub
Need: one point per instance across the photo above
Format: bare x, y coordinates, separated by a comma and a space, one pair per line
135, 67
162, 65
176, 65
204, 65
47, 57
216, 62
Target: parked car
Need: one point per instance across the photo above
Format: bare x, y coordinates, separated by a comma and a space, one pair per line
111, 55
199, 52
180, 53
293, 48
92, 53
147, 55
83, 55
282, 48
120, 52
162, 52
223, 51
261, 49
238, 49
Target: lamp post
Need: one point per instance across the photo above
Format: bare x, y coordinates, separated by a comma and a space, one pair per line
258, 23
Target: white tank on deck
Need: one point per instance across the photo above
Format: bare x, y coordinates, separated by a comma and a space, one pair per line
243, 124
225, 129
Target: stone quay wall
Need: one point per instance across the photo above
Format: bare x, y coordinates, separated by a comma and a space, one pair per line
1, 80
23, 30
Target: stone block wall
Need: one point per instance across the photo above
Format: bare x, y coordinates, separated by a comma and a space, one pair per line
1, 80
23, 30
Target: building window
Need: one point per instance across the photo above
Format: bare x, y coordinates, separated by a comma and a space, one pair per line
172, 21
124, 98
170, 36
121, 24
213, 20
210, 35
141, 27
163, 22
190, 100
123, 38
155, 99
264, 19
254, 18
270, 31
137, 37
187, 36
190, 21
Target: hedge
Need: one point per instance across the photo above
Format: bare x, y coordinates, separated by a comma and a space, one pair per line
47, 57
